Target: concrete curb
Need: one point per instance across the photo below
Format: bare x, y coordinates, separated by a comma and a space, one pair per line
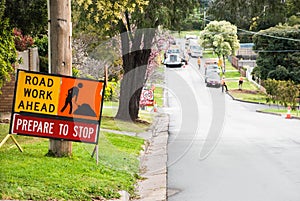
276, 114
154, 163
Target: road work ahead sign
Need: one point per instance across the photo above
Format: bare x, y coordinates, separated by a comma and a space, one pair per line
58, 107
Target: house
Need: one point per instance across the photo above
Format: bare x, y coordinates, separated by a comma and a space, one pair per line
245, 56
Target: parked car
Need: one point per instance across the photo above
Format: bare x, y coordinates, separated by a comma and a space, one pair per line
208, 74
212, 68
210, 62
196, 51
213, 80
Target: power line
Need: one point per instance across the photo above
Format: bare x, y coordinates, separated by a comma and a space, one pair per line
270, 36
261, 34
275, 51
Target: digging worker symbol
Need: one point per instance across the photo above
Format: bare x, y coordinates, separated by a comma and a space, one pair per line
73, 92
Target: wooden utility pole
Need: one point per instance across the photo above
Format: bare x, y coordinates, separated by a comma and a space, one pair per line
60, 56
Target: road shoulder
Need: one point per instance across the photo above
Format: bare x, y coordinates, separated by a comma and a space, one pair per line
153, 186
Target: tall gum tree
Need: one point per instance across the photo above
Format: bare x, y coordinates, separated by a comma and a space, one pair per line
244, 13
136, 21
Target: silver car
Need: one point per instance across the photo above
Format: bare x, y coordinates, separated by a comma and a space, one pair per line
212, 68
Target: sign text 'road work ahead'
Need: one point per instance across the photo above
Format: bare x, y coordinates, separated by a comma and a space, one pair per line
58, 107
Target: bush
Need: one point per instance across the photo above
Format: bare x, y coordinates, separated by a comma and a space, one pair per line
282, 92
112, 91
8, 55
43, 64
22, 42
42, 44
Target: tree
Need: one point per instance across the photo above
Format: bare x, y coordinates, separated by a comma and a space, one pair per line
293, 20
293, 7
272, 89
268, 14
136, 22
222, 37
8, 55
236, 12
192, 22
29, 16
282, 92
280, 73
253, 15
290, 93
278, 46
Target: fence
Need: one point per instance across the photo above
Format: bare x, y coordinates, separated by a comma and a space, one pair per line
29, 61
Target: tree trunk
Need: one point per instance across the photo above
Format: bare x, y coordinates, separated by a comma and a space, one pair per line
60, 57
224, 68
135, 62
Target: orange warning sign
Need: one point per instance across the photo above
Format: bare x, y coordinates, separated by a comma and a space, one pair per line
80, 98
57, 106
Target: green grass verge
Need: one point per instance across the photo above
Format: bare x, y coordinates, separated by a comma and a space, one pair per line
37, 177
136, 127
33, 176
158, 96
250, 91
232, 74
247, 85
252, 97
109, 122
208, 54
229, 66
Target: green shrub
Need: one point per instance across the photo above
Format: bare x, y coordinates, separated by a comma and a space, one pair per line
42, 44
112, 91
43, 64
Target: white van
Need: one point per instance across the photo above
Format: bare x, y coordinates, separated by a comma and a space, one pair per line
173, 60
190, 37
196, 51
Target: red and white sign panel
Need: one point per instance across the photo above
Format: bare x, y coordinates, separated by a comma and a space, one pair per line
147, 97
55, 128
58, 107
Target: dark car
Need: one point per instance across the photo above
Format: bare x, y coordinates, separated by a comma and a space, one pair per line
213, 80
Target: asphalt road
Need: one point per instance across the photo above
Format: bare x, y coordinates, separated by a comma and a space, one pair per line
222, 150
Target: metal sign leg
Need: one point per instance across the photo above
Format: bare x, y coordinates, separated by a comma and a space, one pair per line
96, 151
14, 139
